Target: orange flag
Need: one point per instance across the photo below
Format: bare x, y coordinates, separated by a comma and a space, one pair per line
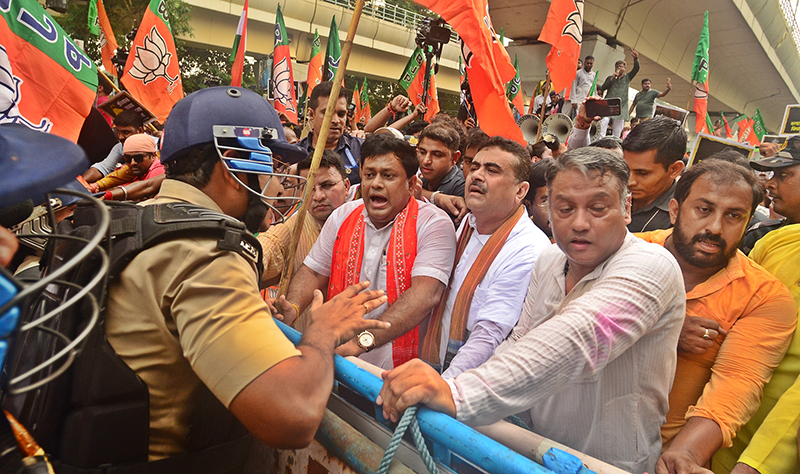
314, 64
563, 30
413, 81
108, 43
48, 83
487, 64
701, 107
152, 74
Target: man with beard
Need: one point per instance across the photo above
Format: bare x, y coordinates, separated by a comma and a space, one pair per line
739, 318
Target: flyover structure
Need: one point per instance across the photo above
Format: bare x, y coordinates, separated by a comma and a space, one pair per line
754, 56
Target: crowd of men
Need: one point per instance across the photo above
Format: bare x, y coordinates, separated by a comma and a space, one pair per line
644, 337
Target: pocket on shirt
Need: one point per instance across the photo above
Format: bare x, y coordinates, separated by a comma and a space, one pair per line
620, 436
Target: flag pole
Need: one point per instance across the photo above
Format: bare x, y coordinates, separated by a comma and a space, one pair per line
150, 126
319, 147
545, 94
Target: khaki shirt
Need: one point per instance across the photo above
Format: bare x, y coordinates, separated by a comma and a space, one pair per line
184, 312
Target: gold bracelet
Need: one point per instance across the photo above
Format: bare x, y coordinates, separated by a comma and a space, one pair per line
296, 308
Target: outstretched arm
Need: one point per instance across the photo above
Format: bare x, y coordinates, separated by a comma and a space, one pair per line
665, 91
284, 406
398, 105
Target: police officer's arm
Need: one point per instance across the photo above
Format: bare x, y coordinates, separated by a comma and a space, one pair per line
284, 406
408, 310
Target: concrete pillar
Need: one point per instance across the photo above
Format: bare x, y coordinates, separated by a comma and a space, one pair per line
534, 69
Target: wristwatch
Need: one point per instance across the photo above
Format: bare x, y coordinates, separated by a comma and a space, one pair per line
366, 341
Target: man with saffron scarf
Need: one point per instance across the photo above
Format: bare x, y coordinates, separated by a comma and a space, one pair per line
497, 246
398, 244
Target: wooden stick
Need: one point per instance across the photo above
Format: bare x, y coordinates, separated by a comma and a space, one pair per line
319, 147
150, 126
545, 94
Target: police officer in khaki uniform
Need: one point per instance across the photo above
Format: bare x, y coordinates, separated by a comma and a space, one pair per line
185, 314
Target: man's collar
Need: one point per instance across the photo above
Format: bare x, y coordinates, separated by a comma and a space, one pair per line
661, 202
368, 219
179, 191
308, 144
732, 271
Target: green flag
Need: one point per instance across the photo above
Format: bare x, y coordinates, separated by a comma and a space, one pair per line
759, 128
364, 99
594, 85
333, 53
709, 124
700, 66
93, 22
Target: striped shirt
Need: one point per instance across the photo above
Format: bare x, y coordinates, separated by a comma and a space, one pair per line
591, 369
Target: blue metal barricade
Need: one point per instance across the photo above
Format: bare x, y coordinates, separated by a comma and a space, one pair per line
443, 433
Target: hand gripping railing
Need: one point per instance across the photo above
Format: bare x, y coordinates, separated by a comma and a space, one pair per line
443, 433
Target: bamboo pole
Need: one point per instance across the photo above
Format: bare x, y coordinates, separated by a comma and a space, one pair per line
545, 94
319, 147
150, 126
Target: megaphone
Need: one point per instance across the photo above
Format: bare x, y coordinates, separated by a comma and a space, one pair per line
558, 125
529, 124
594, 132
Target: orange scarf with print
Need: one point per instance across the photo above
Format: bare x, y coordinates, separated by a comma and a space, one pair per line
348, 251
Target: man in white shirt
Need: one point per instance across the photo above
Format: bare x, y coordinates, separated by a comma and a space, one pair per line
382, 239
584, 79
591, 362
496, 249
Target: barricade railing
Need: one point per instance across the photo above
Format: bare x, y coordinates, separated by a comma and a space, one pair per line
393, 14
447, 437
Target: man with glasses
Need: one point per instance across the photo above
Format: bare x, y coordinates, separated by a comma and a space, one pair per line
126, 124
140, 155
330, 192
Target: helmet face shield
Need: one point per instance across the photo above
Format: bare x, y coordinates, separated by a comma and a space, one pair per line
242, 151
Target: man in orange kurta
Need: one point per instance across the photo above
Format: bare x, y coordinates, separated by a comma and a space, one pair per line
739, 318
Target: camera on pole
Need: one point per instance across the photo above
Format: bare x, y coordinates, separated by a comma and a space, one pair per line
431, 37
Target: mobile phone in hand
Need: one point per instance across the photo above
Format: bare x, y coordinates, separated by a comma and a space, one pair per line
603, 107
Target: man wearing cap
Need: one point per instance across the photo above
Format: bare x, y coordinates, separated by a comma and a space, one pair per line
186, 314
783, 189
141, 158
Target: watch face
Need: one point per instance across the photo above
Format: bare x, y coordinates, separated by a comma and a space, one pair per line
366, 339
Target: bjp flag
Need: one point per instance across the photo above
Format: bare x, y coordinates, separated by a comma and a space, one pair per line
46, 82
99, 25
486, 62
282, 75
152, 74
563, 31
239, 47
413, 81
314, 64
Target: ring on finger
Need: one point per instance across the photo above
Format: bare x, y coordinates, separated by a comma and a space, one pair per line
366, 307
707, 336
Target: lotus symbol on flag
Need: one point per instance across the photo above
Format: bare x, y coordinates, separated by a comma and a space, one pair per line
283, 85
152, 59
574, 26
10, 96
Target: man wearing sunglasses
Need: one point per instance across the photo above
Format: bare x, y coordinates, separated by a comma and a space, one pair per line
141, 156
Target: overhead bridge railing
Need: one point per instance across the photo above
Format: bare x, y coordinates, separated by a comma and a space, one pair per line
393, 14
452, 442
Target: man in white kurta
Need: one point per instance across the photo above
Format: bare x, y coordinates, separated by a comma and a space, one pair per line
592, 359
